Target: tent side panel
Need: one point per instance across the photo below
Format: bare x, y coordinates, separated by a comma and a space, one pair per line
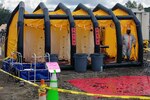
42, 9
33, 43
84, 36
58, 12
79, 12
108, 37
12, 36
8, 28
60, 39
119, 12
34, 37
101, 13
95, 30
139, 36
118, 36
72, 30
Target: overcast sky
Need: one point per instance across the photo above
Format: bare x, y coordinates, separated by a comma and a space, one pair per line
51, 4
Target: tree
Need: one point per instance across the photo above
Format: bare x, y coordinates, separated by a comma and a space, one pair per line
134, 4
147, 9
4, 15
2, 33
128, 4
140, 6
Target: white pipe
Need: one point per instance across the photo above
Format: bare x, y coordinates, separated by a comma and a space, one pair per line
34, 56
47, 55
18, 54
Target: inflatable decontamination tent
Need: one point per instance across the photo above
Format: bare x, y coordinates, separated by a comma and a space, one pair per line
65, 33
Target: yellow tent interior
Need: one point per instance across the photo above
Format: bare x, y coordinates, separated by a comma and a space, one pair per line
60, 30
107, 35
128, 24
84, 34
60, 37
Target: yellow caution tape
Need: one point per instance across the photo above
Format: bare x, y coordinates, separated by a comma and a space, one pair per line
5, 58
79, 93
36, 85
42, 90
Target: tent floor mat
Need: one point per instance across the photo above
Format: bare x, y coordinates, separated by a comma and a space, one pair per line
123, 85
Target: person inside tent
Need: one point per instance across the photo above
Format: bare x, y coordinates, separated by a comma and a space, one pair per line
128, 41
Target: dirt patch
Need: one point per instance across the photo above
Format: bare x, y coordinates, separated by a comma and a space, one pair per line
11, 89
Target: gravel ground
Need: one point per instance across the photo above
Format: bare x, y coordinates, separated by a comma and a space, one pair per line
13, 91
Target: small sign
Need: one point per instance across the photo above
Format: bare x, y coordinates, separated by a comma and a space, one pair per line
97, 39
53, 66
73, 36
73, 39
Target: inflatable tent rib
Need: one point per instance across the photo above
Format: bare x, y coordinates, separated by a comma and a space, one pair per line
65, 33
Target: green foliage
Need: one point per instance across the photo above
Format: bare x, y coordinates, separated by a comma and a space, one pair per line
130, 4
140, 6
147, 9
134, 4
2, 33
4, 15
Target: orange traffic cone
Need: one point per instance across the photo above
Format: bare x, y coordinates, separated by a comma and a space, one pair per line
42, 90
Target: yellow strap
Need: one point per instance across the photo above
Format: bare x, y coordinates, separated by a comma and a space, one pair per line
79, 93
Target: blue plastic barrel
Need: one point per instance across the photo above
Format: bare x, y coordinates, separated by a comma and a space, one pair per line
97, 62
80, 64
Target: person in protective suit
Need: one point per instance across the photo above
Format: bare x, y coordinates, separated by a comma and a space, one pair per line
128, 41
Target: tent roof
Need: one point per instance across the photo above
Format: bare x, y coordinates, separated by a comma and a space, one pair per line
119, 6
